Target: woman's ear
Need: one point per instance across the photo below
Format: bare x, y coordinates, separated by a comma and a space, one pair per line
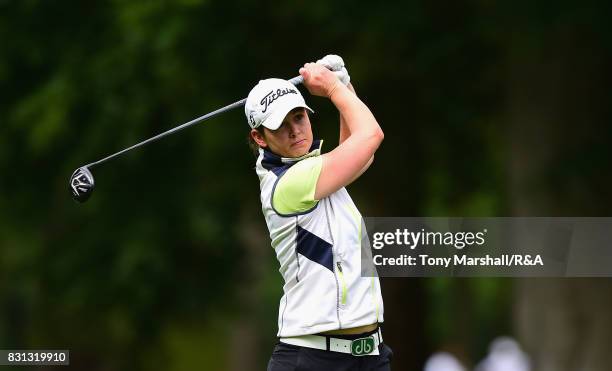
258, 138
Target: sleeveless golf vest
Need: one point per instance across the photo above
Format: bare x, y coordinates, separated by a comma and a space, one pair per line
319, 252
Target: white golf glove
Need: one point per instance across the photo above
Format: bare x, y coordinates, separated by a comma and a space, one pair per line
336, 64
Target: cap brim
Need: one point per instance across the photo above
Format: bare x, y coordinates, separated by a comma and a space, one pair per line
275, 120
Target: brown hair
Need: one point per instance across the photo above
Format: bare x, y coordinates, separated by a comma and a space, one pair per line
252, 144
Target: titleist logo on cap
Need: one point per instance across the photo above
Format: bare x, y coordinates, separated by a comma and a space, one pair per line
272, 96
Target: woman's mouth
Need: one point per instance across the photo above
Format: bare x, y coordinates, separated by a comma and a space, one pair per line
298, 142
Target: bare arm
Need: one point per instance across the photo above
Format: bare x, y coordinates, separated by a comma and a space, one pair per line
345, 133
344, 130
345, 162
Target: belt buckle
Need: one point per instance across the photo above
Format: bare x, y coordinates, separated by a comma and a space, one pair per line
363, 346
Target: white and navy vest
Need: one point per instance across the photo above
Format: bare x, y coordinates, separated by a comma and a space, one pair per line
319, 252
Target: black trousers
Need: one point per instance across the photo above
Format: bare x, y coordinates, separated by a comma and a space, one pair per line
288, 357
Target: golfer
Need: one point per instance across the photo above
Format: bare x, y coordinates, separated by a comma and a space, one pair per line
329, 316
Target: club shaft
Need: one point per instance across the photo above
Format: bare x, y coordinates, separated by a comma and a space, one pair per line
295, 81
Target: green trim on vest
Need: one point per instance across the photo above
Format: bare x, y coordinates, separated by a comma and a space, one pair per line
295, 190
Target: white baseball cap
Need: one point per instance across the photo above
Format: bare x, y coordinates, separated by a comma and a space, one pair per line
270, 101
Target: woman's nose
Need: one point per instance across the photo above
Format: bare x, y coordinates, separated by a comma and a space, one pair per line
294, 129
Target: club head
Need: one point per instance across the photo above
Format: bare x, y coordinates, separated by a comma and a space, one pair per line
81, 184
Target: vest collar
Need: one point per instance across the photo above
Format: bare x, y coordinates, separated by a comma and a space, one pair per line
272, 161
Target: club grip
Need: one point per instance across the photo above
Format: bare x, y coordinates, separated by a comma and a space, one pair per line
300, 80
297, 80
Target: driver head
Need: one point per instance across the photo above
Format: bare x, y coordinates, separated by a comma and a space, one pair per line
81, 184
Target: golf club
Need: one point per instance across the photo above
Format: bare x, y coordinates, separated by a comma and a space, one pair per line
82, 181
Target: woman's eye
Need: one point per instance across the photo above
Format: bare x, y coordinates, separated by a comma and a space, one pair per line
299, 117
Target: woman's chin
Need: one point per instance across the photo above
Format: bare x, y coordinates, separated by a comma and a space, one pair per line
301, 152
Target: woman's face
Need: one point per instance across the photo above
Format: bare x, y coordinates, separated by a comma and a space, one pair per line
292, 139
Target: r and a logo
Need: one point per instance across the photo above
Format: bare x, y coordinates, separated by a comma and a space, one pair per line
363, 346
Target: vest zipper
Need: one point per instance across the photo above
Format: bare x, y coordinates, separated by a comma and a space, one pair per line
341, 274
334, 266
337, 295
297, 274
297, 257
